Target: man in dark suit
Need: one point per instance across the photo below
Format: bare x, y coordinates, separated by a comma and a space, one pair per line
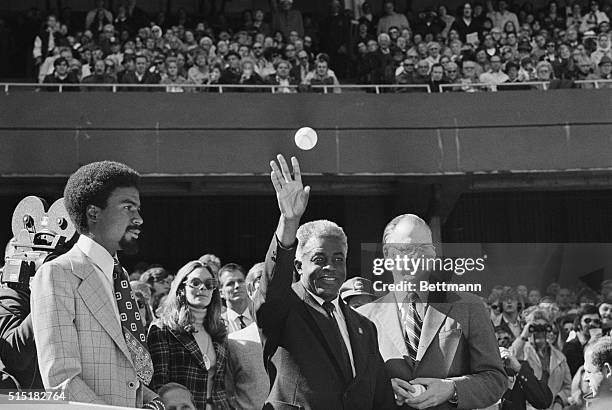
441, 340
318, 352
141, 76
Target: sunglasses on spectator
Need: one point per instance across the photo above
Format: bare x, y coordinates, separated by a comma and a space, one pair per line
588, 320
209, 284
257, 47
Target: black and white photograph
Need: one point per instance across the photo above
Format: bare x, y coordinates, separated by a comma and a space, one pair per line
306, 204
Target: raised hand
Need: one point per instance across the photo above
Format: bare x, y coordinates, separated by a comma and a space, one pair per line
291, 195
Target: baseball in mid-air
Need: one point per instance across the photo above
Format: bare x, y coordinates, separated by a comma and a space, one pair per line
306, 138
420, 389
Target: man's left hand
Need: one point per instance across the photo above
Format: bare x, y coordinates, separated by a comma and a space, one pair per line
437, 391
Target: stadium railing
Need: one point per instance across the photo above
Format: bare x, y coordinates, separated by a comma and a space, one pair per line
277, 89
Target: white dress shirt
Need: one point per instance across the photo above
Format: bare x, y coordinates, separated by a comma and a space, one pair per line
233, 319
339, 316
103, 263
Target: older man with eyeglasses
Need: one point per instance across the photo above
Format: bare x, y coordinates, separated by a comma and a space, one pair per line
443, 341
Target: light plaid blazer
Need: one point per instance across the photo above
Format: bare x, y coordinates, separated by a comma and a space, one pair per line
80, 345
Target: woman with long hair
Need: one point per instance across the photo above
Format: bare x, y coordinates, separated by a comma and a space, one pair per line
188, 343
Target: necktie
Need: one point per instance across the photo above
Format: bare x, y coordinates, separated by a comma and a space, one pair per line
242, 324
412, 325
344, 358
131, 323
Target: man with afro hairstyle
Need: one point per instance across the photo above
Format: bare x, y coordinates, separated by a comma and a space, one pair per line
86, 323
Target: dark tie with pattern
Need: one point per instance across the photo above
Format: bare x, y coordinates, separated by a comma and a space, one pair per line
344, 358
412, 325
131, 324
242, 324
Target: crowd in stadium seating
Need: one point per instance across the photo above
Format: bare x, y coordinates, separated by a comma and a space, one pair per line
495, 43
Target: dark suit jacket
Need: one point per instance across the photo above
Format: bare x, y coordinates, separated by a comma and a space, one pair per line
457, 342
527, 389
298, 355
148, 78
177, 358
18, 362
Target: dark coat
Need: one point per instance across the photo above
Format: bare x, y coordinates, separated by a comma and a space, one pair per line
300, 358
18, 360
148, 78
527, 389
177, 358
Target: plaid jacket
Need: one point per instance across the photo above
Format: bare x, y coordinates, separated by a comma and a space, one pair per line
177, 358
80, 345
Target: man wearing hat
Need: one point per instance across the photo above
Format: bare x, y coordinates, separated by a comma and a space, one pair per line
604, 72
232, 72
357, 292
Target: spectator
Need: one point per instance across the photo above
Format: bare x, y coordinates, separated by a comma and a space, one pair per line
587, 324
434, 53
283, 78
47, 40
598, 373
534, 297
503, 16
176, 397
580, 390
584, 68
142, 293
198, 73
574, 20
592, 19
61, 75
428, 23
172, 78
259, 24
253, 278
141, 75
391, 19
605, 69
158, 280
466, 26
544, 71
99, 76
286, 19
321, 76
232, 74
523, 386
232, 287
451, 73
436, 78
357, 292
422, 73
406, 73
97, 18
548, 363
603, 48
300, 71
249, 76
446, 18
469, 77
188, 343
335, 32
509, 303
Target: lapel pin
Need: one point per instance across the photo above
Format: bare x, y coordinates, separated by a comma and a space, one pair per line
360, 330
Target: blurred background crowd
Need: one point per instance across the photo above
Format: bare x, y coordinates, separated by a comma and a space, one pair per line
494, 42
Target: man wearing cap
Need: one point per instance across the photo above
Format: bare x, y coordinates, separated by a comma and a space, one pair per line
232, 72
357, 292
441, 340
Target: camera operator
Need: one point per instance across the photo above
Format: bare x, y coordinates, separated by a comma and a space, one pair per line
18, 363
548, 363
523, 386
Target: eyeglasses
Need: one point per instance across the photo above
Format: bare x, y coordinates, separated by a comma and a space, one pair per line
588, 320
413, 250
209, 284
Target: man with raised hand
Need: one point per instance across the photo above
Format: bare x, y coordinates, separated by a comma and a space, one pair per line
318, 352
